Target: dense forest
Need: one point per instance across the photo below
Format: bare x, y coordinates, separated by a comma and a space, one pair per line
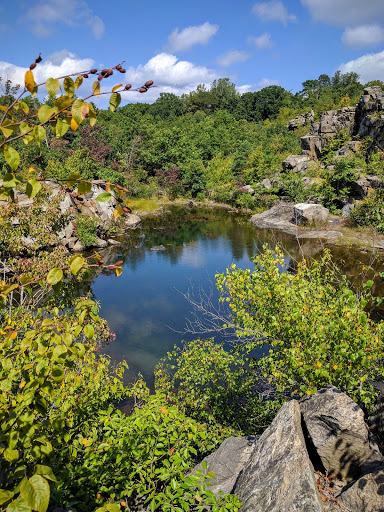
64, 441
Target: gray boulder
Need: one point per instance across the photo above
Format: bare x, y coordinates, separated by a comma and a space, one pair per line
103, 210
131, 221
335, 424
365, 184
248, 189
346, 209
267, 183
310, 213
227, 463
365, 495
279, 476
301, 120
278, 217
296, 163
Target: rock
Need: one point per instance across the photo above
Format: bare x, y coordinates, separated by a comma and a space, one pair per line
365, 495
348, 149
266, 183
248, 189
78, 246
67, 231
29, 241
100, 243
309, 182
322, 234
158, 248
279, 476
132, 221
66, 203
376, 418
279, 217
103, 210
346, 209
301, 120
310, 213
296, 163
227, 463
365, 184
26, 203
337, 430
111, 241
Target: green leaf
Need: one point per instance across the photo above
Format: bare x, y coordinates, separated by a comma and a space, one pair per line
11, 156
59, 353
39, 133
52, 85
84, 187
33, 188
77, 264
18, 505
72, 178
24, 128
54, 276
6, 364
61, 127
78, 81
114, 101
10, 181
104, 197
57, 373
36, 493
8, 129
46, 472
5, 496
69, 86
24, 107
89, 331
62, 103
112, 507
11, 455
45, 112
92, 114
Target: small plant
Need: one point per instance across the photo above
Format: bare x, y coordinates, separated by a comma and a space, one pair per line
370, 212
86, 228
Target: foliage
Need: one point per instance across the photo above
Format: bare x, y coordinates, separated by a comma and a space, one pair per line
337, 184
86, 227
370, 212
215, 386
315, 325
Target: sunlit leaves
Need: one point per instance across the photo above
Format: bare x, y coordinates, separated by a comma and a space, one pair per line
29, 81
39, 133
54, 276
44, 113
11, 156
117, 87
84, 187
89, 331
96, 88
104, 197
78, 82
52, 85
77, 264
33, 188
35, 492
80, 111
114, 101
69, 86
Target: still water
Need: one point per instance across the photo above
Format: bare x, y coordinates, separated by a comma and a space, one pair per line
145, 306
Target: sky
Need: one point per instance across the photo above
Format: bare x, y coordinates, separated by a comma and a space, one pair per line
180, 44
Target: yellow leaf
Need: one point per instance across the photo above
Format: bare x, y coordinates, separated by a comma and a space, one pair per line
13, 335
123, 503
98, 496
163, 410
29, 81
118, 271
318, 364
335, 367
117, 87
198, 498
84, 441
22, 384
74, 125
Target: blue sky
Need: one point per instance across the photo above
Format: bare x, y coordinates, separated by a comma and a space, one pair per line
181, 44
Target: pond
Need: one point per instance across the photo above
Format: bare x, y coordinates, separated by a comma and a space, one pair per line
146, 307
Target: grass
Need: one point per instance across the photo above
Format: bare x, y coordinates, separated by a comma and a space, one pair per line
141, 205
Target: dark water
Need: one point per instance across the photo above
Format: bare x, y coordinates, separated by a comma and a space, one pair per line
145, 306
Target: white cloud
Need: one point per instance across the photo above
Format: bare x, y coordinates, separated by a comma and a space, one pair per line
346, 12
273, 10
261, 42
264, 82
169, 75
364, 35
232, 57
47, 13
58, 64
188, 37
368, 67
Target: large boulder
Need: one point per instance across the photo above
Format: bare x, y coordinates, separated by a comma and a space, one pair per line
279, 476
336, 427
365, 184
227, 463
296, 163
301, 120
307, 213
365, 495
279, 217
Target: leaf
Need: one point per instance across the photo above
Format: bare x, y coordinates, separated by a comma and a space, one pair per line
52, 85
33, 188
69, 86
18, 505
92, 115
114, 101
36, 493
59, 353
84, 187
5, 496
46, 471
89, 331
11, 156
96, 88
117, 87
77, 264
74, 125
11, 455
24, 107
104, 197
80, 111
54, 276
78, 81
118, 212
45, 112
119, 271
9, 180
24, 128
61, 127
62, 103
29, 81
8, 129
39, 133
72, 178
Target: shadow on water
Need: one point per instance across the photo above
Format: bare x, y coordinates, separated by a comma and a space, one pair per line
144, 306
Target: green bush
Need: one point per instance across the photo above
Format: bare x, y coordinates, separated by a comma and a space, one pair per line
370, 212
86, 228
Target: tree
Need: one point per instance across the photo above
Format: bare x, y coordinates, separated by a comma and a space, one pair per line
167, 106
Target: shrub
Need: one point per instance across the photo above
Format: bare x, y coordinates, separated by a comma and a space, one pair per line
370, 212
86, 227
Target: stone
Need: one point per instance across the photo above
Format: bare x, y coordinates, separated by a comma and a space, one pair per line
158, 248
365, 184
103, 210
227, 463
28, 241
376, 418
78, 246
336, 426
111, 241
26, 203
365, 495
66, 203
296, 163
131, 221
266, 183
278, 217
67, 231
301, 120
279, 476
309, 182
346, 209
310, 213
248, 189
100, 243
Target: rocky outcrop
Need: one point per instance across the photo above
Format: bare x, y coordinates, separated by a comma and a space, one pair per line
278, 217
370, 115
296, 163
365, 184
301, 120
306, 213
292, 465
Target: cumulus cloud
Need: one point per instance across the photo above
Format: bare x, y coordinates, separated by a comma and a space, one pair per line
345, 12
58, 64
273, 11
43, 17
261, 42
264, 82
170, 75
364, 35
368, 67
188, 37
232, 57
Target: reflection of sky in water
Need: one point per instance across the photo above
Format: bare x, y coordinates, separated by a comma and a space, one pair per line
144, 300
